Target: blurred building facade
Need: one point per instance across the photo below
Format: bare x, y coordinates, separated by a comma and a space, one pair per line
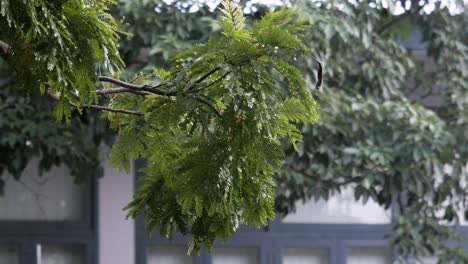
50, 220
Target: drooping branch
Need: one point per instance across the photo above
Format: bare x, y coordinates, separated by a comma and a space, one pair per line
114, 110
56, 98
211, 84
138, 88
126, 87
208, 74
148, 89
121, 90
142, 90
201, 100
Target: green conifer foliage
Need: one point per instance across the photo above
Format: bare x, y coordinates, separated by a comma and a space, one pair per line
212, 133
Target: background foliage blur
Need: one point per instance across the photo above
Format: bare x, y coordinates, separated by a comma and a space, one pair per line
394, 117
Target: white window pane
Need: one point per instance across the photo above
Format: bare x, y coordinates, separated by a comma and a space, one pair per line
167, 255
448, 169
368, 256
429, 260
52, 196
8, 255
460, 213
235, 256
305, 256
61, 254
461, 217
339, 209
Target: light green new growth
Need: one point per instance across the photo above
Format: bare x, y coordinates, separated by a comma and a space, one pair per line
212, 135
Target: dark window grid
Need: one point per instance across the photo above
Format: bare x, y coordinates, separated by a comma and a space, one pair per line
271, 241
337, 239
26, 234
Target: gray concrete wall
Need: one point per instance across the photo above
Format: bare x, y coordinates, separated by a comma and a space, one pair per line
116, 237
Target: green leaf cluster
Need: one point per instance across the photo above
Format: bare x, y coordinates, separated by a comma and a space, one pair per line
56, 44
393, 121
213, 144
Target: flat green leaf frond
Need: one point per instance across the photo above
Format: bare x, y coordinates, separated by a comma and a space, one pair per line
214, 146
126, 148
282, 29
294, 110
232, 14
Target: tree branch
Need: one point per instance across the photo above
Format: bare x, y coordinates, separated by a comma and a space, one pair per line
109, 109
126, 88
208, 74
121, 90
201, 100
154, 89
211, 84
397, 19
56, 98
138, 88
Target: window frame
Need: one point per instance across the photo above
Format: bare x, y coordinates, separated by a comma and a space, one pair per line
26, 234
271, 241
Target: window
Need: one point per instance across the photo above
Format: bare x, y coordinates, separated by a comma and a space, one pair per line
368, 256
47, 219
70, 254
340, 209
339, 231
8, 254
168, 255
234, 256
299, 239
305, 256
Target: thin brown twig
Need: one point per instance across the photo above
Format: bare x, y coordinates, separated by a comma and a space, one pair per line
121, 90
126, 87
211, 84
201, 100
114, 110
208, 74
37, 196
146, 88
56, 98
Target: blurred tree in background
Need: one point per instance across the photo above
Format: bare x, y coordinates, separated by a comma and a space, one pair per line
394, 120
393, 123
